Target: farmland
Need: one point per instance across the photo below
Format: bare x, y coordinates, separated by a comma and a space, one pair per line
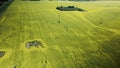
70, 39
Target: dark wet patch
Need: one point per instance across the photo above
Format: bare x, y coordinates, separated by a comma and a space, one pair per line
2, 53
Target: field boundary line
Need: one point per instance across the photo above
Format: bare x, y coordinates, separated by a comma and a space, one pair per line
84, 18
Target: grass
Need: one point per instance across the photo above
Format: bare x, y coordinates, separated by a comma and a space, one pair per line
81, 40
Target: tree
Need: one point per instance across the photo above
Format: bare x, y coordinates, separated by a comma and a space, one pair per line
4, 0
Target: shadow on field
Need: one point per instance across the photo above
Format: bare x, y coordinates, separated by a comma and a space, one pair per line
5, 6
112, 50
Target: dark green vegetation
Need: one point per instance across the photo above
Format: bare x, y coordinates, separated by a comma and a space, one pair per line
4, 4
69, 8
81, 40
34, 43
4, 0
1, 3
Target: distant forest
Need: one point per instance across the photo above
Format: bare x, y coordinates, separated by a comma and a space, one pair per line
3, 0
70, 0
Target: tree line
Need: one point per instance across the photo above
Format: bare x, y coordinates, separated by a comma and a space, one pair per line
4, 0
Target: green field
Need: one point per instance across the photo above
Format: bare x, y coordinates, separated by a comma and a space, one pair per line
80, 40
